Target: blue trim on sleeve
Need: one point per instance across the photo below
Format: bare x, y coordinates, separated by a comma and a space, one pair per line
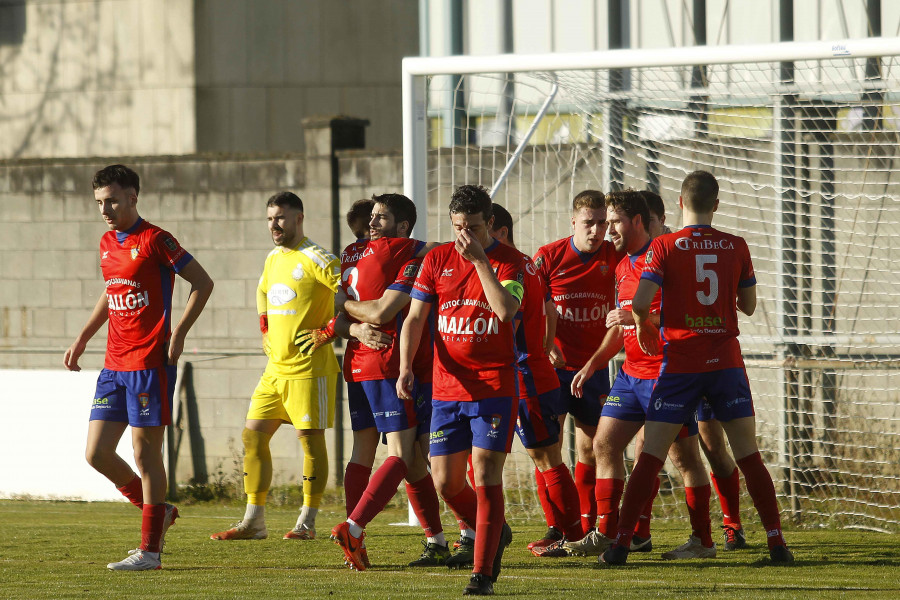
747, 283
182, 262
652, 277
422, 296
406, 289
418, 247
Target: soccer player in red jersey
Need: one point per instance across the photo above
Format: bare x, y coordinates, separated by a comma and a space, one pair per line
139, 262
726, 477
538, 425
473, 287
579, 271
625, 409
706, 276
377, 276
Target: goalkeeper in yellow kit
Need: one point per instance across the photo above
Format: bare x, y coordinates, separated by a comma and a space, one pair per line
296, 292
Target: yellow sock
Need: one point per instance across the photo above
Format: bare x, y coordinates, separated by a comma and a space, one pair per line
257, 466
315, 469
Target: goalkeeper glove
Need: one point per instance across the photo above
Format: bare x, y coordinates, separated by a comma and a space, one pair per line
310, 340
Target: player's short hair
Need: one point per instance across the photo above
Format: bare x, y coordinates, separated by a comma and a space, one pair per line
360, 214
699, 191
502, 218
119, 174
289, 199
471, 200
630, 202
400, 206
654, 203
588, 199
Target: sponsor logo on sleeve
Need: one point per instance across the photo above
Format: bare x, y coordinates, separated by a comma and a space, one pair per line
170, 244
410, 270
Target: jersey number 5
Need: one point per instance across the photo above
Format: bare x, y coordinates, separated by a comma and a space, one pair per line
703, 274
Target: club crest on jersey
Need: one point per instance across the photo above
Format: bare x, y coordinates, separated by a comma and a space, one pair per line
134, 252
170, 244
297, 273
604, 268
144, 399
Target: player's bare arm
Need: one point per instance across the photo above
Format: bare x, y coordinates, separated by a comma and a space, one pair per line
380, 311
410, 336
98, 317
623, 317
550, 326
746, 300
647, 332
201, 288
612, 343
502, 302
428, 247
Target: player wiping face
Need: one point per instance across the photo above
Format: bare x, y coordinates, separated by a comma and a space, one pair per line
472, 235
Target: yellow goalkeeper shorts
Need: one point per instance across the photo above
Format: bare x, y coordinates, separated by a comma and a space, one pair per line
306, 403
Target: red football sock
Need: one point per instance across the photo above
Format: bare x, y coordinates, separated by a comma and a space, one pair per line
643, 525
465, 506
134, 491
729, 491
697, 499
356, 479
609, 493
563, 500
470, 472
491, 516
762, 491
382, 487
585, 479
152, 517
549, 514
424, 501
640, 486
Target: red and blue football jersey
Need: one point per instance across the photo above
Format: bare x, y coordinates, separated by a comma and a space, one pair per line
628, 276
139, 267
474, 351
699, 270
583, 288
536, 374
368, 268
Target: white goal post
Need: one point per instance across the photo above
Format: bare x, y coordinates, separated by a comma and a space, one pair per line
803, 138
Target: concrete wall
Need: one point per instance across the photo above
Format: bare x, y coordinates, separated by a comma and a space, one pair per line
104, 77
158, 77
263, 66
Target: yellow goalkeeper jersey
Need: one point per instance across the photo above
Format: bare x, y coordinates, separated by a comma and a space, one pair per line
296, 290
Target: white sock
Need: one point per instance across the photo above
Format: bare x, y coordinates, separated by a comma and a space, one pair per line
150, 554
467, 533
307, 518
438, 539
355, 530
255, 515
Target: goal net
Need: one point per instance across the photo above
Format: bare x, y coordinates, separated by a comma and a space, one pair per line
803, 141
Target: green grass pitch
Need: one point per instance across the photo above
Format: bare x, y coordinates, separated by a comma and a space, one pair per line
60, 550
